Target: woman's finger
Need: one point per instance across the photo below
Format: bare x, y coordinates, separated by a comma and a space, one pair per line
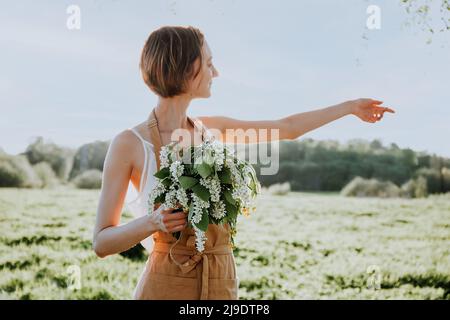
171, 210
176, 227
382, 109
385, 109
172, 224
179, 228
175, 216
390, 110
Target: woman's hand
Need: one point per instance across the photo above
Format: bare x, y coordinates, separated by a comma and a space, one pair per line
168, 220
174, 221
368, 109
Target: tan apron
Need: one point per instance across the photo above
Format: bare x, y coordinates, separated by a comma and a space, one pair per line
175, 270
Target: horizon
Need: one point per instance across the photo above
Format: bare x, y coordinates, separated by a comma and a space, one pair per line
384, 145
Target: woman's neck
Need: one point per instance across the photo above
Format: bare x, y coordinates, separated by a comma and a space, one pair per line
171, 113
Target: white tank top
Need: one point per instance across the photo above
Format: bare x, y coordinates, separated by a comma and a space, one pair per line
136, 201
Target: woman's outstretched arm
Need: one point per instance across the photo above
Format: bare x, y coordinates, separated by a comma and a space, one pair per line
368, 110
229, 130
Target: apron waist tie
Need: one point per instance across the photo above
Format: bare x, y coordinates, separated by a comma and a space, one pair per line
194, 258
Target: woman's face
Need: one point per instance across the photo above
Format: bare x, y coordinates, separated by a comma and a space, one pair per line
201, 85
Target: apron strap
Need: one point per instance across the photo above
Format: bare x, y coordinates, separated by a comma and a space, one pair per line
156, 138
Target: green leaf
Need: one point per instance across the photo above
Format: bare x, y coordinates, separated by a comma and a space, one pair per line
189, 169
203, 223
229, 197
187, 182
232, 211
225, 176
161, 198
204, 170
254, 188
191, 212
201, 192
166, 182
163, 173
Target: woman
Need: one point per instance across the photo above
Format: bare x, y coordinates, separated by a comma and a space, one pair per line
176, 64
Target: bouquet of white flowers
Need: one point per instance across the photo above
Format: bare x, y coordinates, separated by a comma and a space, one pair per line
209, 182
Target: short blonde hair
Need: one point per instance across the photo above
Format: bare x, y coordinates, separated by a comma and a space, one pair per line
167, 59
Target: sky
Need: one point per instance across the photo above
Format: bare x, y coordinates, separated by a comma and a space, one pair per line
275, 58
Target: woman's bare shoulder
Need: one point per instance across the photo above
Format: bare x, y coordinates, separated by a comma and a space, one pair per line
127, 137
125, 143
142, 129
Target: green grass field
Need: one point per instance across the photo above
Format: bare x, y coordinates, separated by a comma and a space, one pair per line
298, 246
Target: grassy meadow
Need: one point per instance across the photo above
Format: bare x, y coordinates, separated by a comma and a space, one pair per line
296, 246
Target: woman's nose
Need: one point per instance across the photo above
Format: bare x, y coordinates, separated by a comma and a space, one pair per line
215, 73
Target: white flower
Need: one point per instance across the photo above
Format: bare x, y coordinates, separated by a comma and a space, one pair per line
198, 206
219, 156
164, 157
200, 239
236, 176
218, 210
199, 202
183, 198
171, 198
176, 170
158, 190
197, 216
242, 194
213, 186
